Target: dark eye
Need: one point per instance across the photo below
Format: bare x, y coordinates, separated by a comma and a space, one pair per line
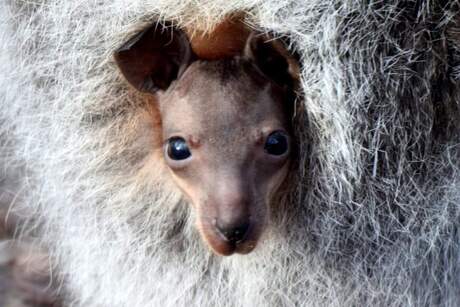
178, 149
276, 143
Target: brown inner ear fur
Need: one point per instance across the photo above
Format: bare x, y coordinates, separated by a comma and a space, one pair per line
229, 38
226, 40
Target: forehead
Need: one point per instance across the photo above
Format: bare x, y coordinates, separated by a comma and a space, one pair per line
224, 96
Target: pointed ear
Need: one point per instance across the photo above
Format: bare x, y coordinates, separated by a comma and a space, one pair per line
273, 60
154, 58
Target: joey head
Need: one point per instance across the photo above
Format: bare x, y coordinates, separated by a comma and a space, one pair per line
225, 127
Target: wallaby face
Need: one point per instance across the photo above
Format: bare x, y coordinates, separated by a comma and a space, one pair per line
226, 131
227, 144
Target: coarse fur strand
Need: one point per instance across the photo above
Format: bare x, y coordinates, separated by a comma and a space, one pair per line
372, 210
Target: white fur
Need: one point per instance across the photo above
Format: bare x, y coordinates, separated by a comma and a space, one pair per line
372, 214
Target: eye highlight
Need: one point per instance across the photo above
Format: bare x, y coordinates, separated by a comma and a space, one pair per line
277, 143
177, 149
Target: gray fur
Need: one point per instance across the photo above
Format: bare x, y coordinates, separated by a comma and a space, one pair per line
372, 214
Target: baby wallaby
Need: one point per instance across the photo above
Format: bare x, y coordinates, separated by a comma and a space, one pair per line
225, 126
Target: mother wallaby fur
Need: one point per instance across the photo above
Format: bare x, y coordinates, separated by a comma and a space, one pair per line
371, 209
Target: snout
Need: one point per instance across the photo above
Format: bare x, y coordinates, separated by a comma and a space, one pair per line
231, 228
227, 240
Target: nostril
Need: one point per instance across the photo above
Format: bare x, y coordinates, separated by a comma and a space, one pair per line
233, 233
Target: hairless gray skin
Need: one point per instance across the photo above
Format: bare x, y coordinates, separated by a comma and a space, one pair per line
225, 126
